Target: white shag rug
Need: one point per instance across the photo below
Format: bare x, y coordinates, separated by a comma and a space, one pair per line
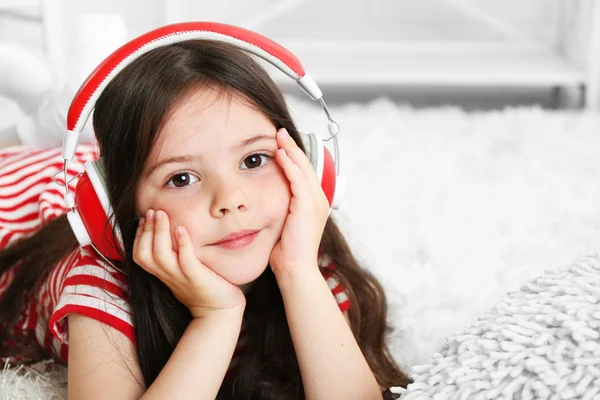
452, 210
541, 342
43, 381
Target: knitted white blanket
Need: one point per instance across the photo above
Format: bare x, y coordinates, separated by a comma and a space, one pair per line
541, 342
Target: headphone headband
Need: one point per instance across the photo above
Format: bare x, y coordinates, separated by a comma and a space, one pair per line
85, 99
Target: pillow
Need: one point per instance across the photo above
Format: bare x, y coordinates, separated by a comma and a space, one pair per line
10, 114
24, 77
541, 340
27, 80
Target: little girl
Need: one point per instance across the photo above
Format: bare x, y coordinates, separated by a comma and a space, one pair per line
233, 283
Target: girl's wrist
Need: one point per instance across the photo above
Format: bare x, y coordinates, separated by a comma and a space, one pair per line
221, 313
292, 267
297, 277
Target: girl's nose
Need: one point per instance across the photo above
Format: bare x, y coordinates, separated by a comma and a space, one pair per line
228, 196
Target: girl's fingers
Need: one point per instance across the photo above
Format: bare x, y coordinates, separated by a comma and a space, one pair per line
142, 253
138, 233
191, 266
187, 258
162, 245
285, 141
298, 183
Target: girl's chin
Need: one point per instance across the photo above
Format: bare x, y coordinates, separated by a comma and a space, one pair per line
244, 278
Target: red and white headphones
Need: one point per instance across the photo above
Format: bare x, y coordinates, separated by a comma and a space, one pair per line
90, 208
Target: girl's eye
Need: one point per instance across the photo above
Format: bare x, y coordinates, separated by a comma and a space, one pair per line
254, 161
182, 179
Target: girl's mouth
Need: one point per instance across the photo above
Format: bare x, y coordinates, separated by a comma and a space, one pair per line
237, 240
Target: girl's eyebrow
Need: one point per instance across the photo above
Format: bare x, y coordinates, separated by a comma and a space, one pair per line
175, 159
254, 139
189, 157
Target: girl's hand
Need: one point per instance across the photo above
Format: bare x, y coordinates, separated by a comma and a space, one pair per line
195, 285
299, 244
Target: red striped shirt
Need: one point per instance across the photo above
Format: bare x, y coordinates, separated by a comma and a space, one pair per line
81, 283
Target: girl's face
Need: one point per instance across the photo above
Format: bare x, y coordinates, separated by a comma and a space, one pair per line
213, 170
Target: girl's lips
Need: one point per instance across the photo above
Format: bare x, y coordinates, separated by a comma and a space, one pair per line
237, 240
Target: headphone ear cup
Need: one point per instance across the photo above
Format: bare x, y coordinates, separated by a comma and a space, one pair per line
329, 177
322, 162
309, 141
90, 194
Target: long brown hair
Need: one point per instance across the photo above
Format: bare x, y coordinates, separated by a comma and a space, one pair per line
128, 118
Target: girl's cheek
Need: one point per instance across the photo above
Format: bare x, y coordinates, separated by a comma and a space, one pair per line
274, 189
280, 182
278, 202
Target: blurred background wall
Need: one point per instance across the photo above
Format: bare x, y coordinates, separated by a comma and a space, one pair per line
473, 53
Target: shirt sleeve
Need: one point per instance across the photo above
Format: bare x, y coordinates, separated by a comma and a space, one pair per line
328, 270
89, 286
